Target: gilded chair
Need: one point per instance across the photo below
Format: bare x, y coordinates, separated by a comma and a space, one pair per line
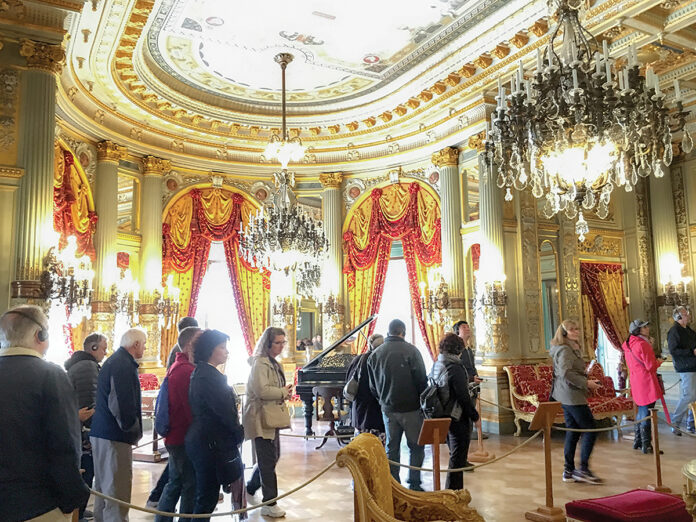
378, 497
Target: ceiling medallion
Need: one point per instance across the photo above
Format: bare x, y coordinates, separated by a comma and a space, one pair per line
572, 135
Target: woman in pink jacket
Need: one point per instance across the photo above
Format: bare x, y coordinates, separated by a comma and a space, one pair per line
642, 371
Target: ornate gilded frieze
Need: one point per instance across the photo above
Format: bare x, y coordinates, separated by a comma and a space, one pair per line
9, 92
43, 56
110, 151
682, 219
601, 245
331, 179
447, 157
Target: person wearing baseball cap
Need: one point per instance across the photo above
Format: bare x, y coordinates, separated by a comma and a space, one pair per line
645, 388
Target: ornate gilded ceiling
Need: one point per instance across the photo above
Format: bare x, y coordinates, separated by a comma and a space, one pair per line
372, 86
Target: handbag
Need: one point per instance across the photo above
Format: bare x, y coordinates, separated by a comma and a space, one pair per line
228, 464
275, 415
350, 390
660, 382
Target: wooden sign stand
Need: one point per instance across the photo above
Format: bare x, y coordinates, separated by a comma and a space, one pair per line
434, 432
656, 448
543, 419
480, 455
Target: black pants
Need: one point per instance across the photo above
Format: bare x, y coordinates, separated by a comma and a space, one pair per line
207, 485
458, 439
578, 417
264, 475
156, 493
86, 463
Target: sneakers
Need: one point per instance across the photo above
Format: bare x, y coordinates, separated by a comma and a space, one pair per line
580, 475
273, 511
676, 432
568, 476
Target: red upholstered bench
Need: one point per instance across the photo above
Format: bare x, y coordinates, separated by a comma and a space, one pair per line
638, 505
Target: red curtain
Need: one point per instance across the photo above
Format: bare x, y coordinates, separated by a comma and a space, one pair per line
422, 248
602, 287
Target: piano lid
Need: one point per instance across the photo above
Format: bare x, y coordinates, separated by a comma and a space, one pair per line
315, 360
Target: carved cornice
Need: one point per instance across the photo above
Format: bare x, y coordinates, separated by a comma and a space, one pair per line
11, 172
477, 141
156, 166
331, 179
43, 56
13, 9
109, 151
447, 157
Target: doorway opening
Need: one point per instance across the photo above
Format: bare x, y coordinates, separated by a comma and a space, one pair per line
217, 309
607, 355
396, 304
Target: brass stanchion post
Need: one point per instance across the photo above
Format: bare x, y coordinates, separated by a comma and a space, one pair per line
480, 455
656, 448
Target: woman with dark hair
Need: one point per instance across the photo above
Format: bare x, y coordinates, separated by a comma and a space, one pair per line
366, 413
265, 414
645, 388
453, 388
571, 387
215, 434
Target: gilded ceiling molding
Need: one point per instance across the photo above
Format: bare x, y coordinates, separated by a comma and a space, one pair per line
43, 56
520, 40
447, 157
331, 179
110, 151
11, 172
153, 166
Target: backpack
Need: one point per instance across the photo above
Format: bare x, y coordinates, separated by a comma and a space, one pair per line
430, 401
162, 409
350, 390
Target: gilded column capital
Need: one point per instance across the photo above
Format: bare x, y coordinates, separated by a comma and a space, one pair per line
154, 166
447, 157
43, 56
109, 151
478, 141
331, 179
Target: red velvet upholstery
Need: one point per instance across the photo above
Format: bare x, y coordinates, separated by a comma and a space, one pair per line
638, 505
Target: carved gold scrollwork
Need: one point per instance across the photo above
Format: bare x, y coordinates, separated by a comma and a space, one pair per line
447, 157
599, 245
477, 141
43, 56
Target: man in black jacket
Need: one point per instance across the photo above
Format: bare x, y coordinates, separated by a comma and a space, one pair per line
83, 371
117, 425
40, 430
681, 341
397, 378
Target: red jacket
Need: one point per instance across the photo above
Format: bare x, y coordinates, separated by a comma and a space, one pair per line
180, 417
642, 371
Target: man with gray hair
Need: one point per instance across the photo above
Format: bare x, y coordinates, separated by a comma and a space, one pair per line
681, 341
40, 430
117, 425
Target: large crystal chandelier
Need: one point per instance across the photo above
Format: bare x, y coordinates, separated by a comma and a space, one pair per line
281, 147
282, 237
581, 127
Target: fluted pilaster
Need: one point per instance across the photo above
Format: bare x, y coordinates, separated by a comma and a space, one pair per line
491, 219
332, 214
447, 160
151, 223
106, 203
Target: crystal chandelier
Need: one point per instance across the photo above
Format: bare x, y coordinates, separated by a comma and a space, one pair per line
281, 147
435, 303
67, 280
167, 304
125, 297
574, 134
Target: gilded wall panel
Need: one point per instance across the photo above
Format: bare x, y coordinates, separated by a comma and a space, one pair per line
9, 106
530, 271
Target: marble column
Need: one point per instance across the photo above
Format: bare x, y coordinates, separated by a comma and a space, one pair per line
34, 220
151, 255
665, 248
332, 215
447, 161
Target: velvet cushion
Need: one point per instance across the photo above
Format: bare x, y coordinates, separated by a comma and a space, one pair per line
638, 505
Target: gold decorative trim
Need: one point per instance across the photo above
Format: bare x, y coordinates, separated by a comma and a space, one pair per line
43, 56
447, 157
331, 179
520, 40
155, 166
477, 141
110, 151
11, 172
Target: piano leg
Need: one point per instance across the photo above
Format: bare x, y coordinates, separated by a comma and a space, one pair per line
308, 408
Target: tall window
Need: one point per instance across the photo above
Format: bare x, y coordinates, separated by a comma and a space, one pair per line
396, 304
217, 309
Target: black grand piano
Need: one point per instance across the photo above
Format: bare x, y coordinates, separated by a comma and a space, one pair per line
327, 369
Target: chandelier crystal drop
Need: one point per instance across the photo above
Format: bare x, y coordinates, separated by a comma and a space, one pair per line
580, 127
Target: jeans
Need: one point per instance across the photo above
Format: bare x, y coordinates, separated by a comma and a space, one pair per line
264, 475
578, 417
458, 439
397, 424
207, 485
156, 493
182, 483
644, 411
86, 463
687, 390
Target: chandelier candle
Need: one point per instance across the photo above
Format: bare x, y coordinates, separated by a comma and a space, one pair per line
571, 134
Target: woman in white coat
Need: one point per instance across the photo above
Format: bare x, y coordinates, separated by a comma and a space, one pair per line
265, 414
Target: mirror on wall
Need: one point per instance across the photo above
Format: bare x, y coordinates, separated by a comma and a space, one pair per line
550, 296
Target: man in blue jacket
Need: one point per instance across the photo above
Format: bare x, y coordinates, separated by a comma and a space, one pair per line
117, 425
39, 430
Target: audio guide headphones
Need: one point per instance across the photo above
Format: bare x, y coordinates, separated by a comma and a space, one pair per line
42, 334
564, 331
676, 315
